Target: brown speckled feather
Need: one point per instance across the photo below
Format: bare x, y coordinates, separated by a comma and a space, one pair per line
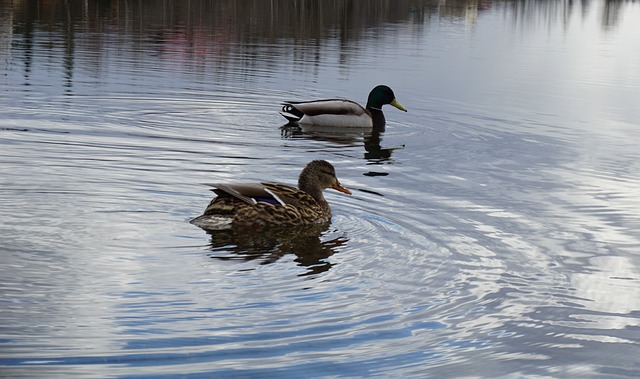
264, 204
299, 207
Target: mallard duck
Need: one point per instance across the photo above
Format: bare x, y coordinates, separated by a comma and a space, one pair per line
341, 112
265, 204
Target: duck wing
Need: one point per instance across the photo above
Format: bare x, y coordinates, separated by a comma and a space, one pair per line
252, 193
329, 112
287, 195
327, 106
259, 203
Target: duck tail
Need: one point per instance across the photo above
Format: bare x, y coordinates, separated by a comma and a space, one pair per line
291, 113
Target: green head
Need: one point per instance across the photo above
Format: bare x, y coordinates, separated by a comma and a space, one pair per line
382, 95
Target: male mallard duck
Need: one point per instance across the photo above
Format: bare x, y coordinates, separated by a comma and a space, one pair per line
264, 204
341, 112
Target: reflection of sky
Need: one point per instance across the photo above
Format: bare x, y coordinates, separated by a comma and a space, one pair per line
612, 288
572, 69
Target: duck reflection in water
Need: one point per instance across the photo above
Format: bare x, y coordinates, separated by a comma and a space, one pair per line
372, 138
311, 245
343, 121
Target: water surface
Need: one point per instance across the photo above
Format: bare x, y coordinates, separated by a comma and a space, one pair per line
493, 230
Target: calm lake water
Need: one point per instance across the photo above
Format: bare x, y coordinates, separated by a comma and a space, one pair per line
493, 230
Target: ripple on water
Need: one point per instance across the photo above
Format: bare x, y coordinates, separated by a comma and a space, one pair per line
349, 310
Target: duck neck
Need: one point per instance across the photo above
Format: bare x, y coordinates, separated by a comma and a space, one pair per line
314, 192
377, 117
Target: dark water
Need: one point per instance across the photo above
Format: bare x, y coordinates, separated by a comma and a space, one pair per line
494, 229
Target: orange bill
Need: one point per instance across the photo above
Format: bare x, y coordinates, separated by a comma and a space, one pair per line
336, 186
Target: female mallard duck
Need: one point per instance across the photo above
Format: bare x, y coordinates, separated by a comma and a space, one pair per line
341, 112
265, 204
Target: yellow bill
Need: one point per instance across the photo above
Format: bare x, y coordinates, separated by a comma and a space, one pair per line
395, 103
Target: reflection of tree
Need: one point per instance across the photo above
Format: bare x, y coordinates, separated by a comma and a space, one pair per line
267, 246
248, 35
548, 12
253, 34
611, 14
248, 21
